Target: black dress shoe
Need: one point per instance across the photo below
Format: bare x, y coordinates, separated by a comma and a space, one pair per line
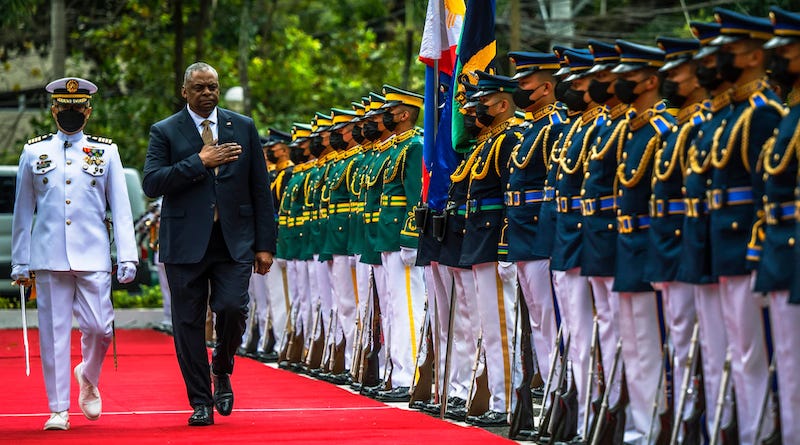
458, 413
267, 357
343, 378
525, 435
489, 418
537, 394
432, 408
456, 402
223, 394
203, 415
372, 391
399, 394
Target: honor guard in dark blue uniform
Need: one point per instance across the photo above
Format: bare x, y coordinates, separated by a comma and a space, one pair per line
683, 93
571, 288
647, 127
485, 214
599, 205
695, 258
736, 206
775, 276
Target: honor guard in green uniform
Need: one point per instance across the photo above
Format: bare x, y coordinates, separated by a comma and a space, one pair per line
639, 319
683, 92
544, 122
775, 276
571, 288
695, 260
735, 202
291, 230
335, 240
397, 236
485, 219
599, 207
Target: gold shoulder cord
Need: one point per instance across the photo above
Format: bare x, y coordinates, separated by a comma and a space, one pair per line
595, 155
581, 155
638, 172
792, 150
478, 170
561, 156
463, 169
543, 135
722, 162
401, 157
678, 156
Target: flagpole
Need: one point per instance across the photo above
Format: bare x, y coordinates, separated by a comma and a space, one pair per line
436, 87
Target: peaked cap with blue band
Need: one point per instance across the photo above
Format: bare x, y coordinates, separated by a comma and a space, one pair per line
493, 83
527, 62
677, 51
786, 27
735, 26
633, 56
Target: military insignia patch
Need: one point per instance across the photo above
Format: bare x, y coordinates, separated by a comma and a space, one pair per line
72, 85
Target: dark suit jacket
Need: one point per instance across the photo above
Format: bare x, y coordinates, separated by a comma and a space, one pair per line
240, 190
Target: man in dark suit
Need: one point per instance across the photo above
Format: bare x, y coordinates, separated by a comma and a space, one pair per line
217, 226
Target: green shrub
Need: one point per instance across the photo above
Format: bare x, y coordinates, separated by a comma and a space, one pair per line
148, 297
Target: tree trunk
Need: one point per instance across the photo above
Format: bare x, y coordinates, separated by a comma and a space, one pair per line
177, 56
244, 55
58, 36
205, 22
409, 27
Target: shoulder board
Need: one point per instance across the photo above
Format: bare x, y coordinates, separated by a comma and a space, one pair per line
758, 99
99, 139
661, 124
600, 120
556, 118
44, 137
698, 118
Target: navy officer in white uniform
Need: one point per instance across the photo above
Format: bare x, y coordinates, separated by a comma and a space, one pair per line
68, 180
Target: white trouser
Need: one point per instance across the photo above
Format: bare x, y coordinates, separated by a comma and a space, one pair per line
575, 304
364, 296
606, 303
344, 295
166, 297
496, 299
300, 293
744, 323
534, 279
786, 346
641, 353
438, 286
713, 346
87, 295
257, 289
382, 288
406, 292
466, 327
278, 299
680, 316
326, 303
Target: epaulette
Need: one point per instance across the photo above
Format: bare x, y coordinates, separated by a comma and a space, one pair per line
758, 99
556, 118
44, 137
99, 139
661, 124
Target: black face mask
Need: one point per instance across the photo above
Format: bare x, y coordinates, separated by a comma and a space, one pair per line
337, 141
623, 89
727, 71
297, 156
598, 91
574, 100
70, 120
271, 157
470, 124
669, 91
561, 89
371, 131
388, 121
483, 116
522, 98
708, 78
779, 71
358, 135
316, 146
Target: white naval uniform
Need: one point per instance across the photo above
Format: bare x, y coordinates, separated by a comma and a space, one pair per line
69, 180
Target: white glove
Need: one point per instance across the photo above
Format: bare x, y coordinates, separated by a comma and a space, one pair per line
20, 272
507, 271
658, 286
280, 262
408, 255
126, 272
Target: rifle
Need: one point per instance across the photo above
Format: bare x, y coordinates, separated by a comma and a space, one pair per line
327, 354
313, 354
591, 375
600, 378
663, 394
603, 419
369, 356
547, 422
564, 419
288, 332
550, 376
478, 399
448, 350
421, 384
691, 368
357, 345
720, 406
775, 438
522, 412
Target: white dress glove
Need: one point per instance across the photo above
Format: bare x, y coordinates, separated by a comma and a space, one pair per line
126, 272
20, 272
507, 270
280, 262
408, 255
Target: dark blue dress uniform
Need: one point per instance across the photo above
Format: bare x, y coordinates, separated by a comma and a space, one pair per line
695, 260
667, 207
599, 204
572, 153
646, 131
485, 209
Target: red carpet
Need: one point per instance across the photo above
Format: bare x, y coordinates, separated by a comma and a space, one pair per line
144, 402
